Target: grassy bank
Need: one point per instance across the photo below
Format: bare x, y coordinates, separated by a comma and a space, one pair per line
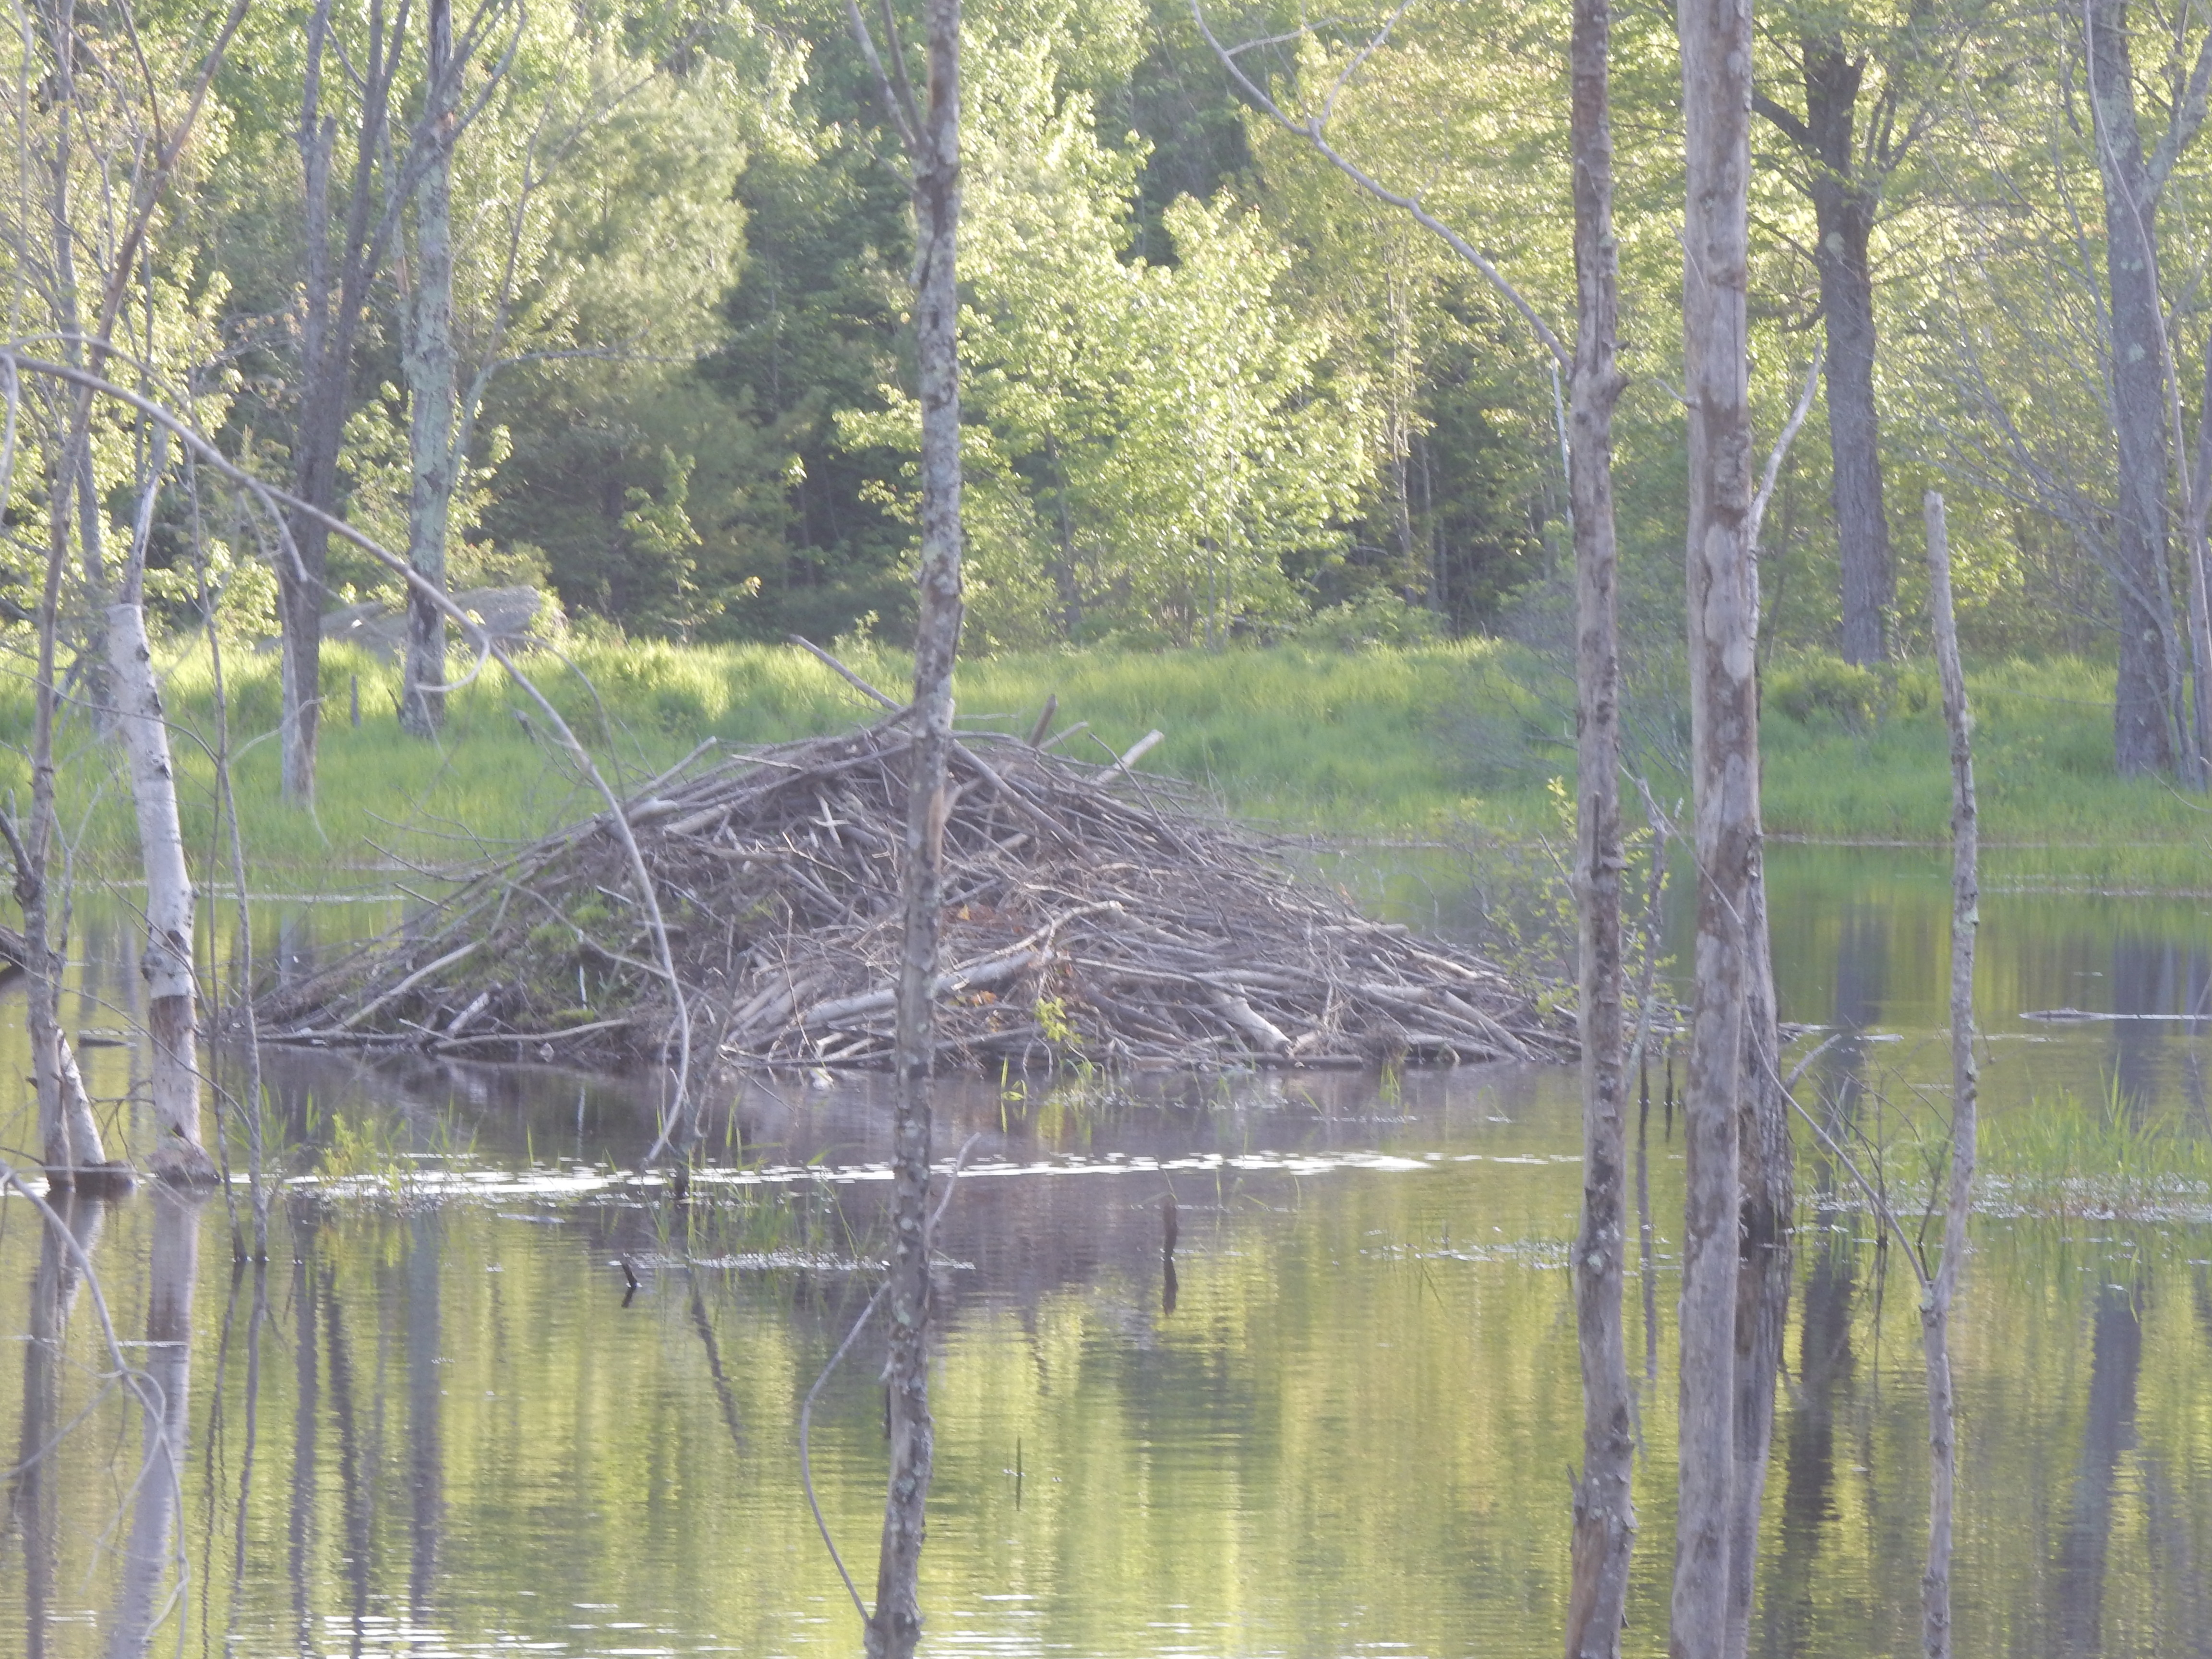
1421, 742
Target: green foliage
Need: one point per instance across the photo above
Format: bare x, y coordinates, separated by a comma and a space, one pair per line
1811, 683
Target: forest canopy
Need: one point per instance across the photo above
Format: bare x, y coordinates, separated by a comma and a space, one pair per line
1212, 390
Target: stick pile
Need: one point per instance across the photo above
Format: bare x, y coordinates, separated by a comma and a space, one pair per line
1093, 914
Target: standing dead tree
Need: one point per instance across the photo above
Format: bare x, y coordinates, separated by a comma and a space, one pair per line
1942, 1288
1604, 1510
1723, 618
928, 124
1604, 1506
429, 365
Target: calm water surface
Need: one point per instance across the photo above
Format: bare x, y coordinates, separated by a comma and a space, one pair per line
441, 1422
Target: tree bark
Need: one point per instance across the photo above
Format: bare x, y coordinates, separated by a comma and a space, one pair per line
1604, 1509
2142, 711
1966, 900
430, 388
172, 1008
336, 288
1716, 52
68, 1136
933, 132
1843, 217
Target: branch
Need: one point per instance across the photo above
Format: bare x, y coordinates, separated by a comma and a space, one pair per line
2188, 119
1791, 128
1781, 451
279, 503
1313, 130
898, 103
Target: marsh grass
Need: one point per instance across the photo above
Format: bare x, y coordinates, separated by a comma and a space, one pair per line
2112, 1156
1454, 745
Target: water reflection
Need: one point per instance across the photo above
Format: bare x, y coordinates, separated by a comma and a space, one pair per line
1260, 1365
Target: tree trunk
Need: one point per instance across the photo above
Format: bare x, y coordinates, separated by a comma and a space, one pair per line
1604, 1509
301, 567
430, 378
1843, 218
165, 1399
70, 1138
2141, 722
896, 1625
2200, 588
1723, 621
335, 293
1966, 900
172, 1007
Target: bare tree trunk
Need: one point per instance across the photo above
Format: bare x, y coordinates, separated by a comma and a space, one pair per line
2142, 724
315, 441
172, 1008
166, 1413
430, 378
1966, 899
1724, 621
1604, 1509
932, 132
1843, 214
70, 1138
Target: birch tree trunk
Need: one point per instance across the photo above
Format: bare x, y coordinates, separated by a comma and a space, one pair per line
1604, 1510
430, 379
933, 138
1966, 899
1717, 52
172, 1005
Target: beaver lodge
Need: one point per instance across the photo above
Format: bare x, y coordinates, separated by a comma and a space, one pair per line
1093, 913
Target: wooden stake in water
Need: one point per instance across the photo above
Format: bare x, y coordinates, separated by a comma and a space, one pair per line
1942, 1286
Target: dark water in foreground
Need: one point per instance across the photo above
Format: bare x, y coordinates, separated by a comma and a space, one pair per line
439, 1422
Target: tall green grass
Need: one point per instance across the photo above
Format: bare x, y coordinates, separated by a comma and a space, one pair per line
1423, 741
2107, 1156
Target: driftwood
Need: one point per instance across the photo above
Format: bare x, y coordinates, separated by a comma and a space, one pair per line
1092, 914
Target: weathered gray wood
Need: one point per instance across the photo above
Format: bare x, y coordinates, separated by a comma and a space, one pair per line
930, 129
1604, 1507
1715, 39
428, 363
1943, 1288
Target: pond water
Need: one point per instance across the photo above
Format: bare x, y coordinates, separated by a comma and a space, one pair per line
441, 1420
